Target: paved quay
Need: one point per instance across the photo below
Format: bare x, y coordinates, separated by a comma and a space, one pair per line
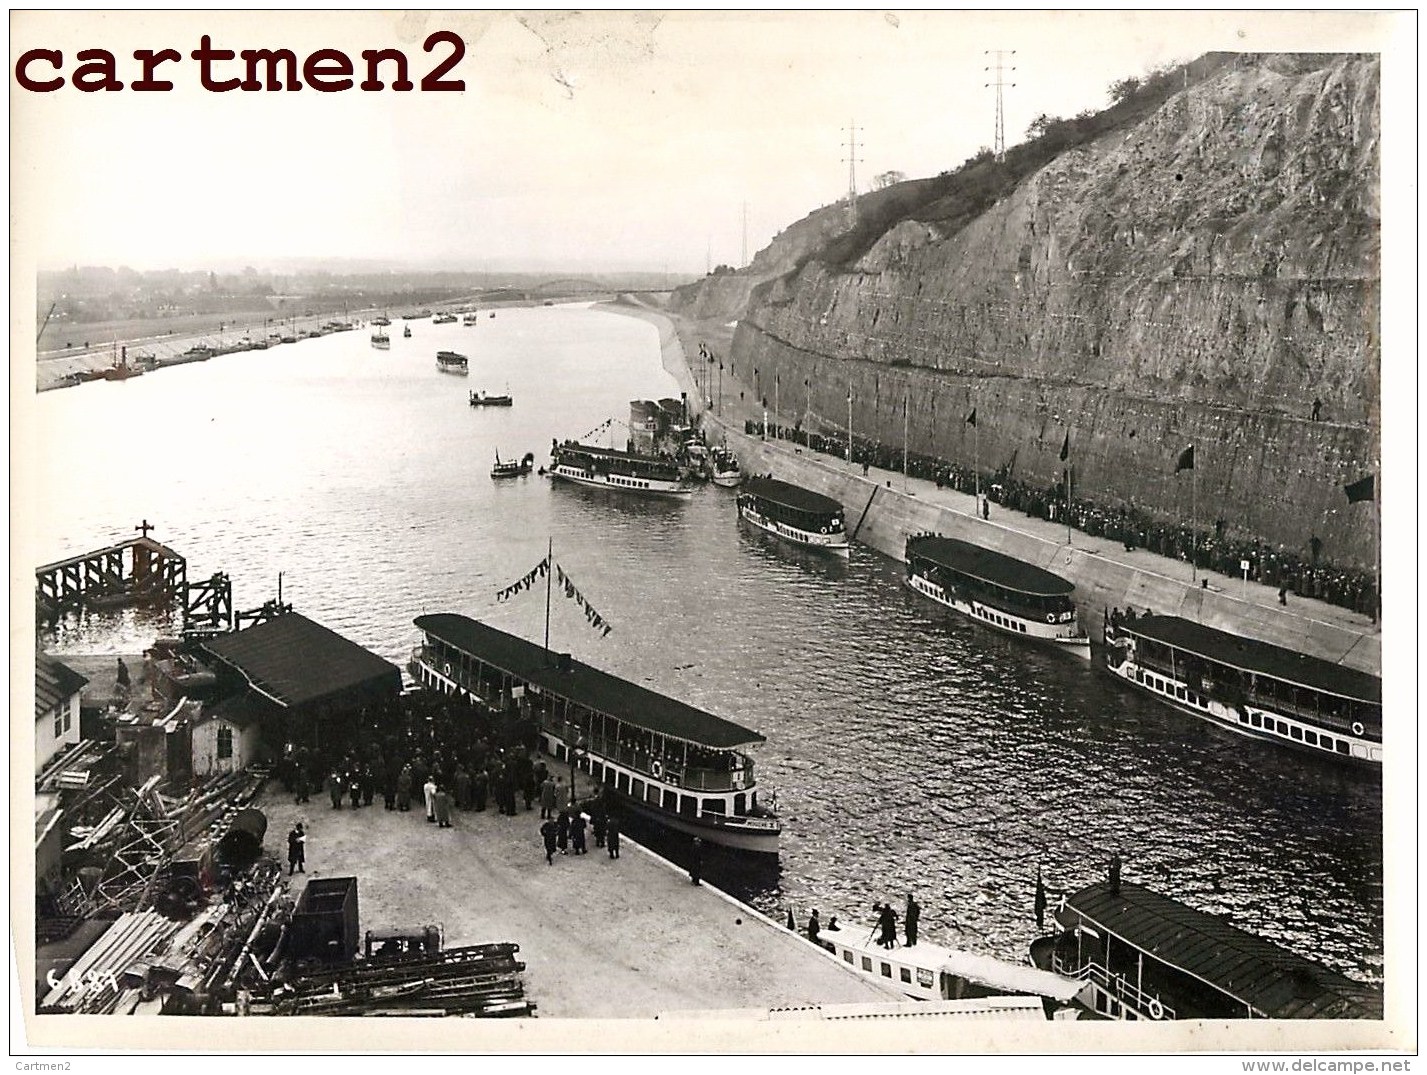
600, 937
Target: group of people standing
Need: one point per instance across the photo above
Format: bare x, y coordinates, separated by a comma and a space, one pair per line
886, 923
563, 828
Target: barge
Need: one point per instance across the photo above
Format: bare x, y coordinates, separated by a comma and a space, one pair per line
678, 766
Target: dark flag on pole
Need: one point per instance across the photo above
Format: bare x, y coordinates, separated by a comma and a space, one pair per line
1362, 489
971, 418
1065, 449
1186, 460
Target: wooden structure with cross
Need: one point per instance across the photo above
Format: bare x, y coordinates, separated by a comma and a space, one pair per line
138, 571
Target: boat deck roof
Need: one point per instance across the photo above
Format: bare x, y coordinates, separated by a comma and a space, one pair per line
627, 702
612, 453
996, 568
1274, 981
791, 496
1262, 658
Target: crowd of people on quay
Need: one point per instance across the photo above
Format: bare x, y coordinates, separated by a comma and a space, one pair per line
436, 756
1214, 548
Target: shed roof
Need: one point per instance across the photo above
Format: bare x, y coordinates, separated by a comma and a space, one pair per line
791, 496
1263, 658
993, 567
1274, 981
54, 682
627, 702
296, 661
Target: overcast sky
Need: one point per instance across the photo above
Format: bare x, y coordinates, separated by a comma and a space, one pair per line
590, 140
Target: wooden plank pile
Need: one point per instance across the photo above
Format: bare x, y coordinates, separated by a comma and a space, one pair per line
100, 983
477, 981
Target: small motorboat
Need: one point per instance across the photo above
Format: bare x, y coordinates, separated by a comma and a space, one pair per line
481, 399
406, 332
510, 468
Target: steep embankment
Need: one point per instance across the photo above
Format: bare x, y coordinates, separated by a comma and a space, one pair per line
1197, 271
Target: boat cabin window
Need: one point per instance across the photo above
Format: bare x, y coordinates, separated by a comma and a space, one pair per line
847, 955
867, 963
886, 970
1342, 745
739, 806
1283, 727
1296, 732
688, 805
637, 791
1255, 719
907, 974
1311, 738
713, 806
671, 800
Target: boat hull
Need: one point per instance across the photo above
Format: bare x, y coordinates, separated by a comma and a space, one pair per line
735, 838
1276, 728
621, 483
837, 543
1061, 635
727, 480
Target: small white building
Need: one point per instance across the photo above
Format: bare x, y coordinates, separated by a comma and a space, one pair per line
226, 736
57, 689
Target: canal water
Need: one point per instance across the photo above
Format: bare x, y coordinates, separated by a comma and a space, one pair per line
910, 750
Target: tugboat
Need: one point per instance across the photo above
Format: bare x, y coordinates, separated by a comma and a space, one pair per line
481, 399
406, 332
607, 468
451, 362
1002, 592
795, 514
510, 468
724, 466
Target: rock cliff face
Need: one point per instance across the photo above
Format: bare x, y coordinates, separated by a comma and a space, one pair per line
1197, 276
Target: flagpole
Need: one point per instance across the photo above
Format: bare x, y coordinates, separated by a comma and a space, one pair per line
906, 400
849, 423
1193, 521
976, 436
1068, 497
776, 420
550, 570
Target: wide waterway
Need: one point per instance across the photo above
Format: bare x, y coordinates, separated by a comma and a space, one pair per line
910, 750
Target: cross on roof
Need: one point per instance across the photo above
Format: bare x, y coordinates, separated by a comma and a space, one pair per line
144, 527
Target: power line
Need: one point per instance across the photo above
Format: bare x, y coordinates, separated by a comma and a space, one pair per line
1002, 69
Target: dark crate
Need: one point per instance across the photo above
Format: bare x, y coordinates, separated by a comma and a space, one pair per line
324, 922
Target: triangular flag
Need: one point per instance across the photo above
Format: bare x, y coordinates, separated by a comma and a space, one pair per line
971, 418
1065, 449
1362, 489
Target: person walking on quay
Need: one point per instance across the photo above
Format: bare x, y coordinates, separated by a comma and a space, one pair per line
334, 788
301, 786
369, 784
577, 832
547, 831
479, 789
354, 787
562, 830
296, 850
442, 800
547, 797
463, 788
611, 836
428, 791
403, 789
393, 776
597, 823
910, 918
696, 864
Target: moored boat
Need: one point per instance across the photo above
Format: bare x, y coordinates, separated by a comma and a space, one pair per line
681, 767
1250, 687
927, 971
793, 513
451, 362
470, 319
1000, 591
513, 468
481, 399
723, 467
607, 468
1144, 955
381, 321
380, 339
444, 319
406, 332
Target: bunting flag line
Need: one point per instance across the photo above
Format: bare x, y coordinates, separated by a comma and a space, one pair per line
1186, 460
1362, 489
525, 581
567, 584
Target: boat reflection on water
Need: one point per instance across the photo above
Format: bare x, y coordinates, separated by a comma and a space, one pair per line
766, 546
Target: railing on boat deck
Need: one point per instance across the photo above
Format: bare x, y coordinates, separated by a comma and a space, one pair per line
1115, 985
692, 778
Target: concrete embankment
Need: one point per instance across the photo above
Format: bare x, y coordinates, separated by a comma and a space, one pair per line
883, 508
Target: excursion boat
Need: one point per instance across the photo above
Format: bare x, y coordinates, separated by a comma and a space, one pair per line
927, 971
380, 339
681, 767
1254, 688
470, 319
1000, 591
723, 465
793, 513
444, 319
607, 468
451, 362
1143, 955
480, 399
512, 468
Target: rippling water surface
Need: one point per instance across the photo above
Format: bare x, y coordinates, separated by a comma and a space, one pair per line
911, 750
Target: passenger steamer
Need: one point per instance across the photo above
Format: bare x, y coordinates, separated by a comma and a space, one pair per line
793, 513
1143, 955
723, 465
606, 468
679, 766
1250, 687
1000, 591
